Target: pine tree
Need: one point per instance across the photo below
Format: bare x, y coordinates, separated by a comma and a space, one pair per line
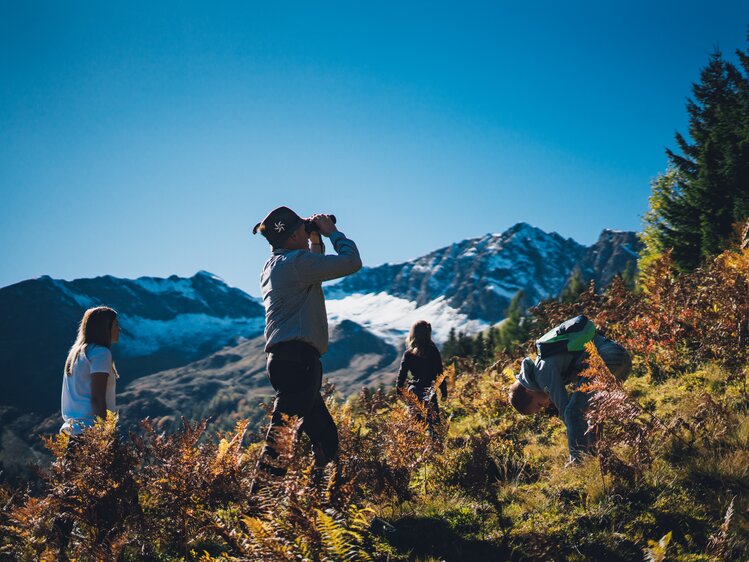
670, 223
479, 349
513, 329
450, 348
464, 345
629, 275
492, 343
695, 204
741, 201
574, 287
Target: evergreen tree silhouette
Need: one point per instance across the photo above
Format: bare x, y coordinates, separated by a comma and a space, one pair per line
695, 205
513, 330
574, 287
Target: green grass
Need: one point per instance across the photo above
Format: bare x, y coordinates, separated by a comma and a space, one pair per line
541, 510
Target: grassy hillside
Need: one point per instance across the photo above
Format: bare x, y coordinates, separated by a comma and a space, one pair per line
669, 481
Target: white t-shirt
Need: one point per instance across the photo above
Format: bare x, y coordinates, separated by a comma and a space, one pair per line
77, 410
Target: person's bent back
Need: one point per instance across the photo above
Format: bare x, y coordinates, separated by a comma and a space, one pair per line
543, 382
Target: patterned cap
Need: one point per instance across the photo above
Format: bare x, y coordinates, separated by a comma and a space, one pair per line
278, 225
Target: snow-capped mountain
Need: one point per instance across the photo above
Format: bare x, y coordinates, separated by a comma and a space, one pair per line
469, 284
390, 318
165, 323
614, 253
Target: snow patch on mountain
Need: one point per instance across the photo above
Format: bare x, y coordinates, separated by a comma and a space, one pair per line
182, 286
173, 285
143, 336
81, 300
220, 283
391, 317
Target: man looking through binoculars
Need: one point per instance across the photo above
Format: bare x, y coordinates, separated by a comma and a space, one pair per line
296, 324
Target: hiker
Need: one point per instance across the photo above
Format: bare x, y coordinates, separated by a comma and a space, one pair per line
296, 329
422, 359
560, 359
88, 383
88, 392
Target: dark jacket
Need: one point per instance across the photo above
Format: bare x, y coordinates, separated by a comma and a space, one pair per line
424, 371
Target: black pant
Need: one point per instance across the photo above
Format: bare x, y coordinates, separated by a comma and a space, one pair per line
295, 371
428, 398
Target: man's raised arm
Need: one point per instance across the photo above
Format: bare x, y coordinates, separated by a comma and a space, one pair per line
316, 268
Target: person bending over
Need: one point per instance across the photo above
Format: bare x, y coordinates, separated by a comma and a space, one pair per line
543, 382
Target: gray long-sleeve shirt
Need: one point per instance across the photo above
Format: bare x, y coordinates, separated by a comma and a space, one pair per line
551, 375
291, 285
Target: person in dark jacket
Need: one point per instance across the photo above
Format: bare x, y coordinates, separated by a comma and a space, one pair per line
422, 359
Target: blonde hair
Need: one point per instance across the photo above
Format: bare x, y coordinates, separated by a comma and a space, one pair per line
95, 329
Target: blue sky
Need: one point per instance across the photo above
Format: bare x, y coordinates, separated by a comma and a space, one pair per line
142, 138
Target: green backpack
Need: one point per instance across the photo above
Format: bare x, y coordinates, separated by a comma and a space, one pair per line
570, 336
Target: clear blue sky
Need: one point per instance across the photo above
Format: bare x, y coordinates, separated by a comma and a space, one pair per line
146, 138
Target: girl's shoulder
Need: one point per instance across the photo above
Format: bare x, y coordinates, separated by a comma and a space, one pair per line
98, 354
424, 354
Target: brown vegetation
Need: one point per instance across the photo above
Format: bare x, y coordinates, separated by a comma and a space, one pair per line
668, 480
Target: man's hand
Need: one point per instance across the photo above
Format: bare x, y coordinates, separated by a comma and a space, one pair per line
327, 226
315, 245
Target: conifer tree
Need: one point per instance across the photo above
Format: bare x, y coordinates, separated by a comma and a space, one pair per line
479, 349
513, 330
450, 348
574, 287
464, 345
695, 204
492, 342
629, 275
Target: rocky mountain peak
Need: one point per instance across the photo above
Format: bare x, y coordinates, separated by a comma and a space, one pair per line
477, 277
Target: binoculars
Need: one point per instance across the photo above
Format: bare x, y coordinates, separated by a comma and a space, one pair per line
310, 226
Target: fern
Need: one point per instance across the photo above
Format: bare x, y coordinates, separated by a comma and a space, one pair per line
656, 551
339, 541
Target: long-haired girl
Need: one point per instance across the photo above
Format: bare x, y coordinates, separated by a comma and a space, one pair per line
422, 359
88, 383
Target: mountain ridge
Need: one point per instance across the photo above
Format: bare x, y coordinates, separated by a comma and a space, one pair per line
174, 321
151, 311
479, 276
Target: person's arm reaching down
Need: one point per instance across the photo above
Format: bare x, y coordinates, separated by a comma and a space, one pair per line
99, 393
403, 373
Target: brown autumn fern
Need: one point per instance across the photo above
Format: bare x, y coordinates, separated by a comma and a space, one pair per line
617, 419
